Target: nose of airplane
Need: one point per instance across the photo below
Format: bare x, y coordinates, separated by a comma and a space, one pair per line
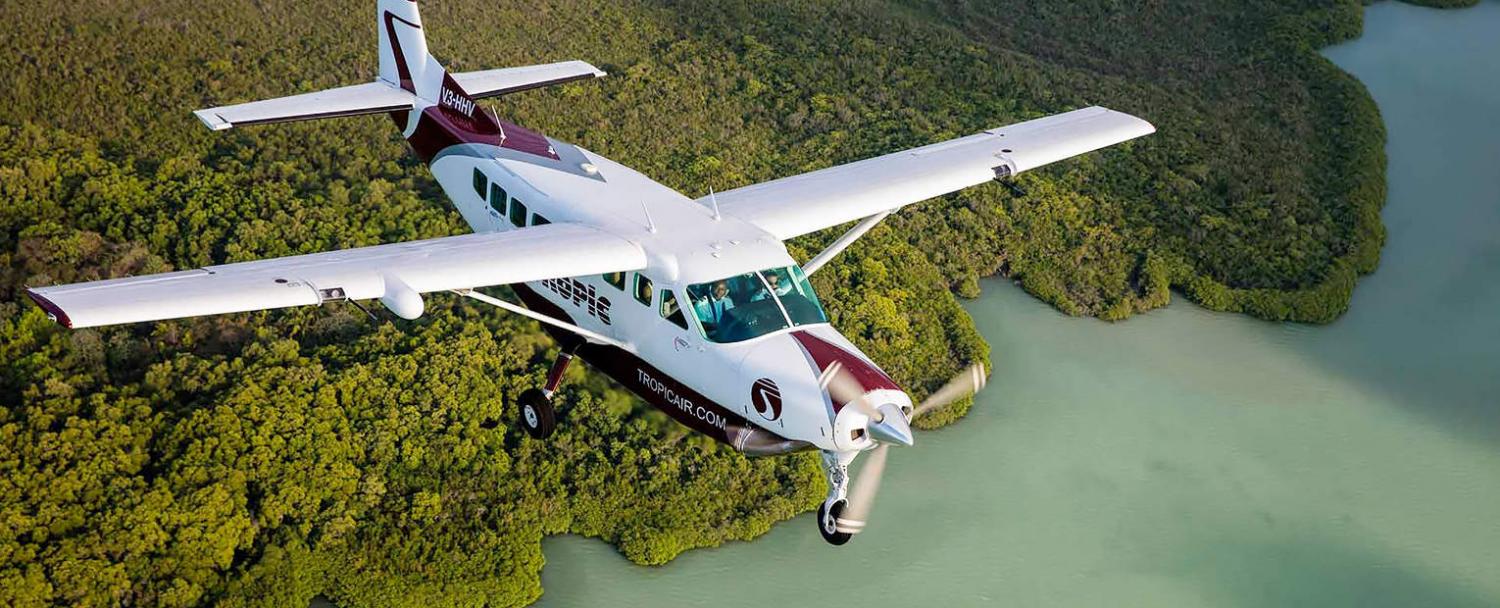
815, 367
892, 427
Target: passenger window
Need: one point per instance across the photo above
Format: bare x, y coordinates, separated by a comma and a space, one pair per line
671, 311
480, 182
538, 219
497, 198
617, 279
642, 289
517, 212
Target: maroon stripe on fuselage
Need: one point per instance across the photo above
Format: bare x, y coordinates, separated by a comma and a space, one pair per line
823, 354
522, 139
441, 126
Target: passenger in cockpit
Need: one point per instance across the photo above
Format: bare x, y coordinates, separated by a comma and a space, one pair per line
778, 286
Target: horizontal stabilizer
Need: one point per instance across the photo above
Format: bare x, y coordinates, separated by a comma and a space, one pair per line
368, 98
380, 271
504, 81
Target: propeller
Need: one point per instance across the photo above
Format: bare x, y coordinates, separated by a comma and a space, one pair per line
969, 381
842, 386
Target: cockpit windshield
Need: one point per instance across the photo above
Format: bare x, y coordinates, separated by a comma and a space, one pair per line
754, 304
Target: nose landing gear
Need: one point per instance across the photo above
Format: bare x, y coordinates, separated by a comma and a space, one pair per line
836, 466
538, 416
828, 522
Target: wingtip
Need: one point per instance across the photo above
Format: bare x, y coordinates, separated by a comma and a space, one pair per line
212, 120
1146, 127
53, 311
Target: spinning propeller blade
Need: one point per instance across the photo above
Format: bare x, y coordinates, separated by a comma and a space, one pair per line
969, 381
843, 388
862, 496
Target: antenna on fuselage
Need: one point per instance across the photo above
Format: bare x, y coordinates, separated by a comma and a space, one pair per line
714, 200
650, 224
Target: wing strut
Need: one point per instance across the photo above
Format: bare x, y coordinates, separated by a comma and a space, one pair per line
591, 335
844, 242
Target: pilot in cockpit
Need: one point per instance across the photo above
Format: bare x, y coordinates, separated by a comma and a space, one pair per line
778, 286
712, 309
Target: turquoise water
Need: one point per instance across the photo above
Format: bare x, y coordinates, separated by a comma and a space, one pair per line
1192, 458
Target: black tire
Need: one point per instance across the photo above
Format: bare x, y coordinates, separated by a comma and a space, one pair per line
537, 415
827, 519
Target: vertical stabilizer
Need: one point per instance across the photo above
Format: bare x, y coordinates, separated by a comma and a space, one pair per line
404, 60
411, 82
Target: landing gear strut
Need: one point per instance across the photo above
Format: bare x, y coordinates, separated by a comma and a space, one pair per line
538, 416
836, 466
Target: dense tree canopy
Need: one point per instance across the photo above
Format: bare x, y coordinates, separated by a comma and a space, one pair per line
263, 459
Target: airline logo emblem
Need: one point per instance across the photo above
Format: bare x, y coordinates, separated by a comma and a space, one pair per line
766, 397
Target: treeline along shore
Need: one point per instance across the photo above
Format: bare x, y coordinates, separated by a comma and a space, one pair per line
264, 459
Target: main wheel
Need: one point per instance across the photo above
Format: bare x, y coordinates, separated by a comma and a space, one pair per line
537, 415
828, 519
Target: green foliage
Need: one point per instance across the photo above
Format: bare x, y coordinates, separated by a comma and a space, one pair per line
264, 459
1441, 3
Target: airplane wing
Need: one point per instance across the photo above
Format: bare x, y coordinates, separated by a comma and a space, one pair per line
800, 204
504, 81
397, 269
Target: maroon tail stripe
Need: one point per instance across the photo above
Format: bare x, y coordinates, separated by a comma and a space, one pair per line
401, 69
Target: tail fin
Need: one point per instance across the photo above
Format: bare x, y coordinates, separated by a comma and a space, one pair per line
404, 61
410, 78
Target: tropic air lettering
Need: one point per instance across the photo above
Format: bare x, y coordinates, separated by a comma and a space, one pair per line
457, 102
581, 294
682, 403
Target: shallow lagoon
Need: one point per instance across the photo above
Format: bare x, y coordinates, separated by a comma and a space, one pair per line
1193, 458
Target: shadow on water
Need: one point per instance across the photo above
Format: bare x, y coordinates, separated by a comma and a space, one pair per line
1425, 327
1309, 570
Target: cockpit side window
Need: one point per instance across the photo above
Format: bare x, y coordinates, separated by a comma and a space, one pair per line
801, 303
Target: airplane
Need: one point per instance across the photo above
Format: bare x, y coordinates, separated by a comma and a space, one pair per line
695, 305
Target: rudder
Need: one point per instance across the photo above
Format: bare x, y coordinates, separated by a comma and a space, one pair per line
404, 60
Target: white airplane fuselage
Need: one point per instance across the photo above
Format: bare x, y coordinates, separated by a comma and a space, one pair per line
762, 395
